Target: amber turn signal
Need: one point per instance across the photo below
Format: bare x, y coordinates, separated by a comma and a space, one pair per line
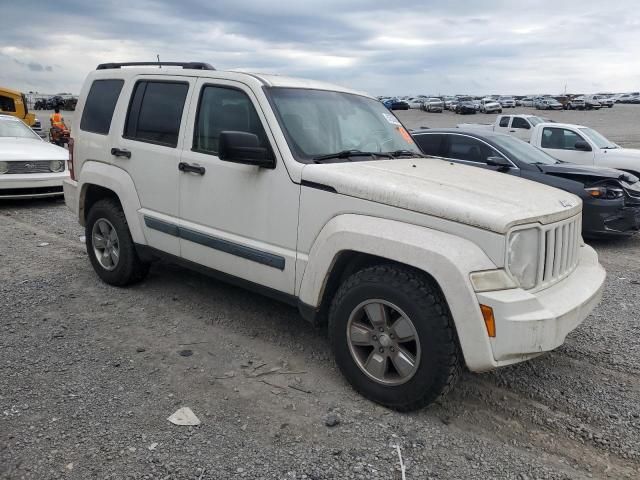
489, 321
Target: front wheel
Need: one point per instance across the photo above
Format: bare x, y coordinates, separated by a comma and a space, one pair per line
110, 246
393, 337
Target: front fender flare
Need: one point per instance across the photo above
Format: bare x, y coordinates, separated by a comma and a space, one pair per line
447, 258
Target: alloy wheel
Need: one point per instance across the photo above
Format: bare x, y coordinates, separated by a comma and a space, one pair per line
384, 342
106, 245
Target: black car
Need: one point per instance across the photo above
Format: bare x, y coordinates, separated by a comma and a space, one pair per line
395, 104
465, 105
611, 198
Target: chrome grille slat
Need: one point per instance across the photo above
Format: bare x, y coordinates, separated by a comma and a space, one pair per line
558, 252
560, 245
565, 249
37, 166
550, 239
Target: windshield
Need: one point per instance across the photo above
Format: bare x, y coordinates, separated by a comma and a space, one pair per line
535, 120
517, 149
598, 139
12, 128
320, 122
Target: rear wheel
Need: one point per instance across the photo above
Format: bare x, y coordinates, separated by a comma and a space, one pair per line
110, 246
393, 337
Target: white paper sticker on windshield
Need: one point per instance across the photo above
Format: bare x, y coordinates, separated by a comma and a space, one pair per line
391, 119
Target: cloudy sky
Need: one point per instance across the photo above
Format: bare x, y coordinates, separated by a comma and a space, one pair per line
459, 46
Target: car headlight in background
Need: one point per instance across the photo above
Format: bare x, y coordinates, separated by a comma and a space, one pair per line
605, 192
4, 167
523, 256
56, 166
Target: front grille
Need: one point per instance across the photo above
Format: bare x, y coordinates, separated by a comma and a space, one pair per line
39, 166
560, 247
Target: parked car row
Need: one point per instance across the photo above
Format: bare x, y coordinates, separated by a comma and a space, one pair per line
539, 102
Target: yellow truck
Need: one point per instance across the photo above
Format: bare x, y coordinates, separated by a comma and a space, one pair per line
14, 103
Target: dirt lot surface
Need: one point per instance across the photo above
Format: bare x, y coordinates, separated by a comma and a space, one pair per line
90, 373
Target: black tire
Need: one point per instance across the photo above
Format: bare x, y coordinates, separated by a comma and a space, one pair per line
439, 365
129, 269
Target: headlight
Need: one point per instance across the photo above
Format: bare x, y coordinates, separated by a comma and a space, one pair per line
523, 256
4, 167
605, 193
56, 165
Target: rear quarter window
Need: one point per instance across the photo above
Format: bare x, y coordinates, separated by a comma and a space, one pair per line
100, 105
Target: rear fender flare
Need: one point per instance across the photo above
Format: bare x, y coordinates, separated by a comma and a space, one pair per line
119, 182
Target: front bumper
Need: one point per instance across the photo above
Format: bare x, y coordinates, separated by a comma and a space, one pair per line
529, 324
601, 218
32, 185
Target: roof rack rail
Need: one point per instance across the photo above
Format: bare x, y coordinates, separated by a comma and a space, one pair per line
189, 65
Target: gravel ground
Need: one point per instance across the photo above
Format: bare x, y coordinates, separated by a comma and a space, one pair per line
90, 373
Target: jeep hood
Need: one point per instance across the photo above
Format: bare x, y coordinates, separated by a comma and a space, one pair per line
470, 195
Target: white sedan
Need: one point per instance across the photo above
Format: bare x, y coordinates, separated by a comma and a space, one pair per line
29, 166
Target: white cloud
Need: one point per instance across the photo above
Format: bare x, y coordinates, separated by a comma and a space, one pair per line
445, 47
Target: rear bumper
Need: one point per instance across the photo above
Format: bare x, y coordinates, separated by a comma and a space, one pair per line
529, 324
71, 195
32, 185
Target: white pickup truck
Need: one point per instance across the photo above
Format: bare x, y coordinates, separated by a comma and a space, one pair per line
517, 125
583, 145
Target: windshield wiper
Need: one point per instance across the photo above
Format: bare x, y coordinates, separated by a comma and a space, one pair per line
345, 154
406, 153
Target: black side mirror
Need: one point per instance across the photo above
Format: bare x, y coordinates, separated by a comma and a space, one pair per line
244, 147
502, 163
582, 145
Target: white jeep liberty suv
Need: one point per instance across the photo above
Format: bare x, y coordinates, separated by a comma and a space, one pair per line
317, 195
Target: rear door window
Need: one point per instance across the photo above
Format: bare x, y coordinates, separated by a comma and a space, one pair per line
155, 112
100, 105
504, 122
430, 143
